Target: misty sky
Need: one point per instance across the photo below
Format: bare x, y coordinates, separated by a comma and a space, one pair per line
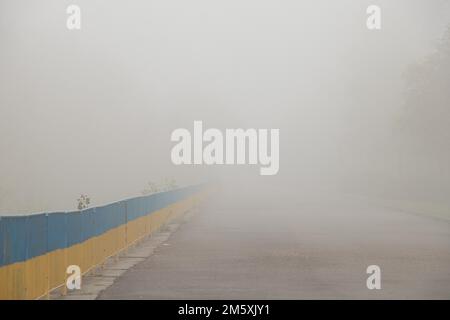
91, 111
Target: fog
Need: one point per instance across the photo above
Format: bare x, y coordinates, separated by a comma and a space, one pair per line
91, 111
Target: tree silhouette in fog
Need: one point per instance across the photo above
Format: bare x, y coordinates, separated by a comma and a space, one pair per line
426, 120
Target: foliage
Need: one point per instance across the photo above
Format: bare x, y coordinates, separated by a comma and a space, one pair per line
426, 118
83, 202
165, 185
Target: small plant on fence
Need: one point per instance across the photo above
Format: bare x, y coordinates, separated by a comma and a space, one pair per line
83, 202
165, 185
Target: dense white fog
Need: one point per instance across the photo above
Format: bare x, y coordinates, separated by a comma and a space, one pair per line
91, 111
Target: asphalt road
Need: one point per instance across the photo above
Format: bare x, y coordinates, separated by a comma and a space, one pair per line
315, 249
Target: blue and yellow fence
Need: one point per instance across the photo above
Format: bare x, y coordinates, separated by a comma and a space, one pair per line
35, 250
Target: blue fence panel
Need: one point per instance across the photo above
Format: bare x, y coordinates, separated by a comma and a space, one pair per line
57, 231
150, 204
156, 201
142, 207
115, 214
100, 221
14, 231
118, 214
123, 212
36, 235
133, 209
2, 242
109, 217
74, 232
88, 223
